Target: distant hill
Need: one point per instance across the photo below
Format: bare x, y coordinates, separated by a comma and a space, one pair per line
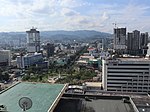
74, 34
56, 35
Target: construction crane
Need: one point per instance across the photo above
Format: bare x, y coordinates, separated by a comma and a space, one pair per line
115, 24
30, 27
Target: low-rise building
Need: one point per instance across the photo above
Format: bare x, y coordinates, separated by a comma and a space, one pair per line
89, 61
29, 60
14, 63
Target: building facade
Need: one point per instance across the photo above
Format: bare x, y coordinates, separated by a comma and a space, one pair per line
126, 75
129, 41
137, 43
50, 50
119, 39
29, 60
33, 41
136, 40
5, 57
144, 39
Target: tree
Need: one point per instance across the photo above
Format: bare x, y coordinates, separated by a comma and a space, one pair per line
5, 76
29, 71
1, 73
26, 77
14, 57
40, 78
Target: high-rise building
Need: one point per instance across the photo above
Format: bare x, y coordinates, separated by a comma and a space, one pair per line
144, 43
50, 49
5, 57
129, 41
119, 39
126, 74
144, 39
33, 41
136, 44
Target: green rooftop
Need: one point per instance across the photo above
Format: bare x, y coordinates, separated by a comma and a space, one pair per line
42, 95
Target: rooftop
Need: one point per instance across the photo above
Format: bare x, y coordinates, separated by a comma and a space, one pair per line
82, 61
34, 54
43, 95
93, 104
129, 59
33, 30
118, 102
108, 105
133, 59
93, 84
142, 103
91, 49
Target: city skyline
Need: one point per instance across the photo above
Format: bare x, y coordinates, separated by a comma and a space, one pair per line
74, 15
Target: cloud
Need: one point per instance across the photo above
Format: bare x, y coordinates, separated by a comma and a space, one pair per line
132, 14
133, 11
104, 16
70, 3
44, 12
73, 14
7, 8
68, 12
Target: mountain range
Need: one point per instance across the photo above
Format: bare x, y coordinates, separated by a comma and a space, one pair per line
57, 35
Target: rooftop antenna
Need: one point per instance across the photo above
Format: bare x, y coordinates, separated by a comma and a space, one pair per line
25, 103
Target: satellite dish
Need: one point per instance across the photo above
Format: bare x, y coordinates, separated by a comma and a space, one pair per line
25, 103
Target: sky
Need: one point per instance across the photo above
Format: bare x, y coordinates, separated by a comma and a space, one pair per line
99, 15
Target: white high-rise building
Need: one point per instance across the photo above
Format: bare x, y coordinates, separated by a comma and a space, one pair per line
33, 41
126, 74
